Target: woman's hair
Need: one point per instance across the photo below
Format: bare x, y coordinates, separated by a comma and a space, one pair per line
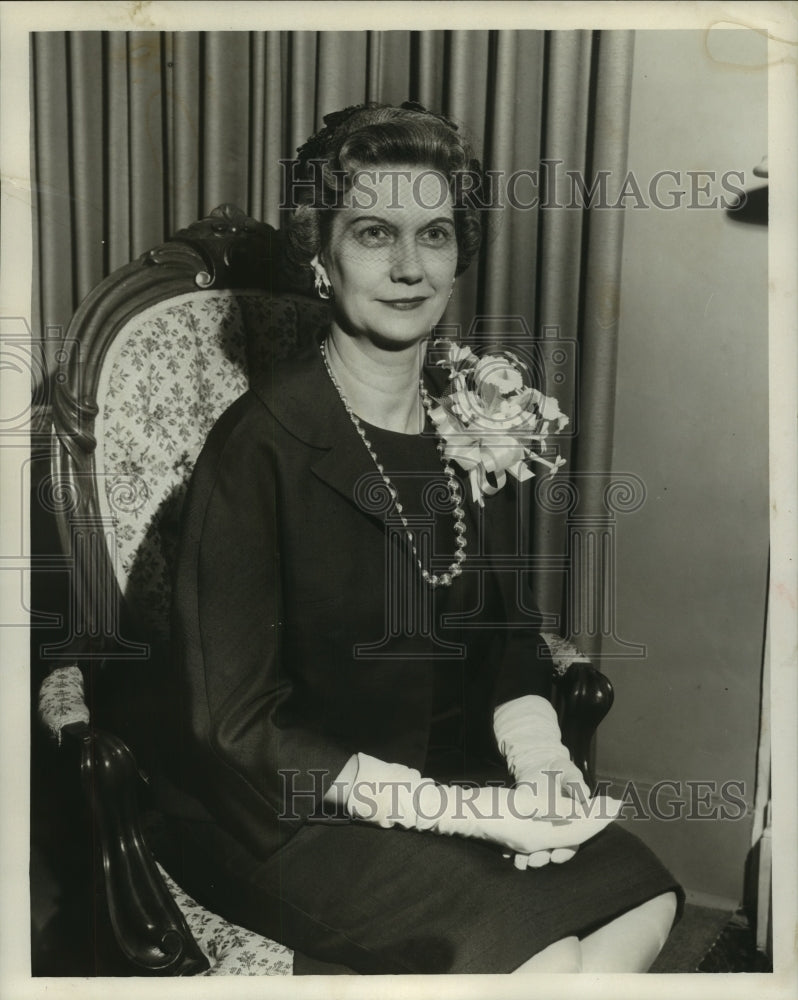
373, 135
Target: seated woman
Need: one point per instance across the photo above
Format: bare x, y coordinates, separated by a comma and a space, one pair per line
358, 783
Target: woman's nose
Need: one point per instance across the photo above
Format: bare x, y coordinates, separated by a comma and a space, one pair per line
406, 263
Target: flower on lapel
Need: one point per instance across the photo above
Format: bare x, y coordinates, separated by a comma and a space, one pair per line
491, 418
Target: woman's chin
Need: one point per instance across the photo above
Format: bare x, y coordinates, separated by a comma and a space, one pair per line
393, 335
391, 340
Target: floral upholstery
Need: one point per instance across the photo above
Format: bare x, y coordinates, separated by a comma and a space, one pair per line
61, 699
277, 327
169, 375
230, 949
563, 652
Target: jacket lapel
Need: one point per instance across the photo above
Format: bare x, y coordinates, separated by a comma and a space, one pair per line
302, 398
346, 467
300, 395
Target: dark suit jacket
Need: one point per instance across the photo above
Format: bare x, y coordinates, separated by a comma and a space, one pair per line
279, 566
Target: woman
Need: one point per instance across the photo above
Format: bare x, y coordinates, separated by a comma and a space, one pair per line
326, 732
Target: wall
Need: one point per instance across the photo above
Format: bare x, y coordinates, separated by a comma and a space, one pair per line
691, 421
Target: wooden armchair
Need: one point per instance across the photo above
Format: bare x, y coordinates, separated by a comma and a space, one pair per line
159, 350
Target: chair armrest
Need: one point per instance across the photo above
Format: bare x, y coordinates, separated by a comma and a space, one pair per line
148, 925
61, 700
563, 652
584, 697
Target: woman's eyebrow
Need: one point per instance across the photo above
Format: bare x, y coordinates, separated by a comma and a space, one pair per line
370, 218
441, 219
388, 221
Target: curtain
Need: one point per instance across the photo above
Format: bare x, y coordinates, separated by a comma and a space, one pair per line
138, 134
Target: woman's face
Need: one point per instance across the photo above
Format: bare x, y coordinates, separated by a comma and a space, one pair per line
392, 254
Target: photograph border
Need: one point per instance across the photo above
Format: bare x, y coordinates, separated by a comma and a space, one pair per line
778, 22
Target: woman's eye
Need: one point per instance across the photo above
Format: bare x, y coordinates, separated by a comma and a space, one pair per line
373, 236
437, 235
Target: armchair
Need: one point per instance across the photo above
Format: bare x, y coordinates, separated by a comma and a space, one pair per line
156, 353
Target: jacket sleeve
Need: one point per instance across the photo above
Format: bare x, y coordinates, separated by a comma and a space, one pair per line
524, 665
525, 668
243, 743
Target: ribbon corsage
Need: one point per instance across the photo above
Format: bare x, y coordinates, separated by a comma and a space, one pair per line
491, 419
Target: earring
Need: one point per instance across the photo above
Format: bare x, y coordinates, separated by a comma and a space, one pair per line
321, 282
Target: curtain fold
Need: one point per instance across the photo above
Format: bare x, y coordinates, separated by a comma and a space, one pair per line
566, 111
500, 130
599, 319
589, 610
138, 134
55, 298
428, 77
183, 98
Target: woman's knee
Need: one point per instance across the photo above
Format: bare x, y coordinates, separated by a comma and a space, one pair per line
631, 942
661, 910
564, 955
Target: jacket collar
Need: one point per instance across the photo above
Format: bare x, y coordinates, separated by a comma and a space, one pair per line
299, 394
301, 397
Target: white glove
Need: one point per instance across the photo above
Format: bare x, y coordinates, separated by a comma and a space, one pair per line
394, 795
528, 736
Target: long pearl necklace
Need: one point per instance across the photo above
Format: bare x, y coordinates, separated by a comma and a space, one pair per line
456, 567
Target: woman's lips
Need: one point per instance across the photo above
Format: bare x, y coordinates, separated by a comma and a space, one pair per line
403, 304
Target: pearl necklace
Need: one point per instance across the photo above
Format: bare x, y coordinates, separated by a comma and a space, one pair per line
456, 567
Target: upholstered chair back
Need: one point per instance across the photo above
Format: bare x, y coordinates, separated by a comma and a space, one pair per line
169, 374
157, 368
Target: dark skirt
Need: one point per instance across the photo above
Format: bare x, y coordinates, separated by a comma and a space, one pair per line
397, 901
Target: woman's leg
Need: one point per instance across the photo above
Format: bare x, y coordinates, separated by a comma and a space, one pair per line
631, 942
564, 955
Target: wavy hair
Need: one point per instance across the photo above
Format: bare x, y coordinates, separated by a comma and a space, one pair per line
373, 135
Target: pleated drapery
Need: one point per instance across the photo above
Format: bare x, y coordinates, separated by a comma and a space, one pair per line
138, 134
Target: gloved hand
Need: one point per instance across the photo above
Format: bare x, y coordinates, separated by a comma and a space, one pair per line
394, 795
528, 735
